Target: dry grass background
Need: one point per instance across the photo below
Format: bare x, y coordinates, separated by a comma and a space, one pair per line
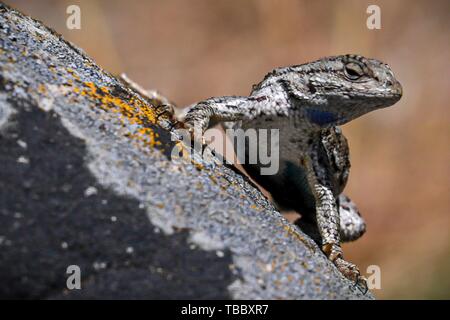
191, 50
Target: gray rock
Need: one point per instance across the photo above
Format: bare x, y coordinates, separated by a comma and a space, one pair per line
86, 179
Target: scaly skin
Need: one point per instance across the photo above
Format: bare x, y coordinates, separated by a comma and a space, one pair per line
307, 103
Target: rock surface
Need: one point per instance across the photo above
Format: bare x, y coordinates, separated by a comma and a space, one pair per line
86, 179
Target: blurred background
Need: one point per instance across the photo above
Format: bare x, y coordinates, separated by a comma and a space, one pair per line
192, 50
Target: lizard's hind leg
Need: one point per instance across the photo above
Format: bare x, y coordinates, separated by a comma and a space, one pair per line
352, 225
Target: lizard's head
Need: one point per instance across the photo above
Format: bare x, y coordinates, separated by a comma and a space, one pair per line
346, 87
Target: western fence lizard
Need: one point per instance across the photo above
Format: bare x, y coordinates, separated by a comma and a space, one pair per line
307, 103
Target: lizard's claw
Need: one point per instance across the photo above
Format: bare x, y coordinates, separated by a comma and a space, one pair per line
348, 269
176, 125
166, 110
351, 272
361, 284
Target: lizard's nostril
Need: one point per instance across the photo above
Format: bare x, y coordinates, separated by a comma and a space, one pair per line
397, 88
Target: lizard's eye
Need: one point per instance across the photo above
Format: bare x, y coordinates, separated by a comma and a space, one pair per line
353, 71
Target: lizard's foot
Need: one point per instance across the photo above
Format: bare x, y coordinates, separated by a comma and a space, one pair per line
194, 130
351, 272
164, 110
348, 269
164, 107
197, 121
197, 124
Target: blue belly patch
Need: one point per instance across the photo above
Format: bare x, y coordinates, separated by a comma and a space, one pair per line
321, 117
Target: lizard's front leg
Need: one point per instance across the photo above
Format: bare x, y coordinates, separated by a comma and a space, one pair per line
327, 215
203, 114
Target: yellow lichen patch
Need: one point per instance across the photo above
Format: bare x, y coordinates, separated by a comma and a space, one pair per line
147, 136
198, 166
133, 111
73, 73
182, 152
42, 89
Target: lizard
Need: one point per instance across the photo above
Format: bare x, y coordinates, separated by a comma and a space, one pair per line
307, 103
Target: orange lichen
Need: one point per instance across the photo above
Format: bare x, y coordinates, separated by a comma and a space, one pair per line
133, 110
42, 89
73, 73
147, 136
